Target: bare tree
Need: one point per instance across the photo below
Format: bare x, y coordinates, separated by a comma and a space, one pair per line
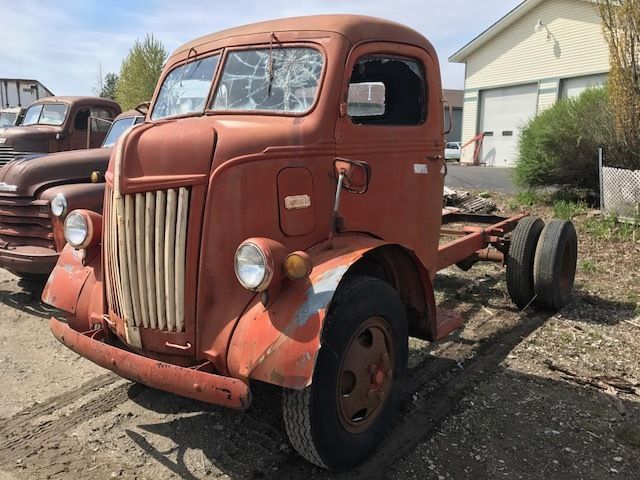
621, 25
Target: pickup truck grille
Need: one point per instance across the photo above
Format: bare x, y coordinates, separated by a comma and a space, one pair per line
25, 221
144, 246
7, 153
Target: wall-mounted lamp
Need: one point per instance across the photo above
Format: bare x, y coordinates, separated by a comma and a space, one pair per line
541, 26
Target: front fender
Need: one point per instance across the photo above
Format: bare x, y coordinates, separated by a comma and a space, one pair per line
279, 344
76, 289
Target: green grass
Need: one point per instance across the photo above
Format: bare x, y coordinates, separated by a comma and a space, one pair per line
588, 266
527, 198
609, 228
568, 210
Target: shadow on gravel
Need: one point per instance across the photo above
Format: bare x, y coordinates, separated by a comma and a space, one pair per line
28, 300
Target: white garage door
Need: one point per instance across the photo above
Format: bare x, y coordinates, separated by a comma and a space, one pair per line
504, 112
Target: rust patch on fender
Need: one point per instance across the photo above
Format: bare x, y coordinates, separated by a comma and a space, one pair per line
66, 281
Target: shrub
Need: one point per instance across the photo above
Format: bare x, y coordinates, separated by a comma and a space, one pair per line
560, 145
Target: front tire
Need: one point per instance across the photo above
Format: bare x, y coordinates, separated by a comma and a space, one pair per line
341, 417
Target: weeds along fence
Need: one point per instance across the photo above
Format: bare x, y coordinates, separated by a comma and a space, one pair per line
619, 192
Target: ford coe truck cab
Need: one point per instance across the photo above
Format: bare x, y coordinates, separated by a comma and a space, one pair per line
277, 218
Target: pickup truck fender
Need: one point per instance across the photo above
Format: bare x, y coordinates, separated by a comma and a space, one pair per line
89, 196
279, 344
75, 287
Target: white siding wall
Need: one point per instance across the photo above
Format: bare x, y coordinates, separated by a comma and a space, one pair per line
469, 122
548, 93
518, 55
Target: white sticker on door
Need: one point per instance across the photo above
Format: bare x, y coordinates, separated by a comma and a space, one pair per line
420, 168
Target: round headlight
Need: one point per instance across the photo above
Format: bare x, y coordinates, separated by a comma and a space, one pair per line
251, 267
59, 205
76, 229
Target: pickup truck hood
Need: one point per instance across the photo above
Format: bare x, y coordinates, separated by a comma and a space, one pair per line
31, 175
33, 138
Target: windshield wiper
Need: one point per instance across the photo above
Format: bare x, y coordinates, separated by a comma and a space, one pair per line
273, 37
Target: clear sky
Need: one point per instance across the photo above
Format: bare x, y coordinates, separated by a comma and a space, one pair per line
64, 43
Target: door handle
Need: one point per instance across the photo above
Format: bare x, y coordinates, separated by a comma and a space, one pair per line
435, 158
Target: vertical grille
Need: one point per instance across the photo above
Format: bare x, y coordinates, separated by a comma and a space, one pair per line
145, 254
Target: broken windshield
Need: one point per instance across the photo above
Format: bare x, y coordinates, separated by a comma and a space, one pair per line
275, 80
185, 89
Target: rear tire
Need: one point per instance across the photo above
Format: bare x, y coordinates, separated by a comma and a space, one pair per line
340, 418
520, 260
555, 264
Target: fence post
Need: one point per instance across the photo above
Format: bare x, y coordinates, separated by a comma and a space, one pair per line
600, 165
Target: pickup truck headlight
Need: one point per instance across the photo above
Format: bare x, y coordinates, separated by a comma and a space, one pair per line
253, 267
77, 229
59, 205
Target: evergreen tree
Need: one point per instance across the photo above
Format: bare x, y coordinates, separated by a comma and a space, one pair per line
109, 86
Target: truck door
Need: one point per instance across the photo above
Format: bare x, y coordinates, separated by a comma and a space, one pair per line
78, 129
391, 117
101, 119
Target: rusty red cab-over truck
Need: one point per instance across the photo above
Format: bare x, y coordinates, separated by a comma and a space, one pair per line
269, 222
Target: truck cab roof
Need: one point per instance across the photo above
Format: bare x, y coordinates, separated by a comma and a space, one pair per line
356, 28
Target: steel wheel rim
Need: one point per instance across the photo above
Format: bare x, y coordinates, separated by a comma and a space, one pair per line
366, 375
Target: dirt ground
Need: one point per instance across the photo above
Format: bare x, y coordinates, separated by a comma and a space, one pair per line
514, 395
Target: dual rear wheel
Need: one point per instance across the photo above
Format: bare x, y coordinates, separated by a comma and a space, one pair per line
541, 263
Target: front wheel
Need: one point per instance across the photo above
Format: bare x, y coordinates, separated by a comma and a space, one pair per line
340, 418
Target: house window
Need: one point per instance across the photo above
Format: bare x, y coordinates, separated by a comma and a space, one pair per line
387, 91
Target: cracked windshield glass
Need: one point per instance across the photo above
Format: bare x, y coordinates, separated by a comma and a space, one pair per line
275, 80
185, 90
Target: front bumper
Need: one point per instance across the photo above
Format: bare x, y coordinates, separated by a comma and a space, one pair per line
186, 382
28, 259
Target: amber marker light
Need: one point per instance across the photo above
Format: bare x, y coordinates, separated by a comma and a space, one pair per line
297, 265
96, 177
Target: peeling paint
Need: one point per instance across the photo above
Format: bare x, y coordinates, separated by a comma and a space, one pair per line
320, 293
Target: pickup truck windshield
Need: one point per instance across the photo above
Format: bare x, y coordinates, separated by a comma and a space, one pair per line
46, 114
7, 119
281, 80
117, 128
185, 89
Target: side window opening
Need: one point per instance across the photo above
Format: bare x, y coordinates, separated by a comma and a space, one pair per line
80, 121
101, 119
387, 91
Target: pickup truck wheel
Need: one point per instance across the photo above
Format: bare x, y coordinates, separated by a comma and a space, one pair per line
520, 259
555, 264
340, 418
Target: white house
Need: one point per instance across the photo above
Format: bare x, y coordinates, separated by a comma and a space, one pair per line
541, 51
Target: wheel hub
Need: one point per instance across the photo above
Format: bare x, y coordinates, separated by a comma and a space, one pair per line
365, 376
